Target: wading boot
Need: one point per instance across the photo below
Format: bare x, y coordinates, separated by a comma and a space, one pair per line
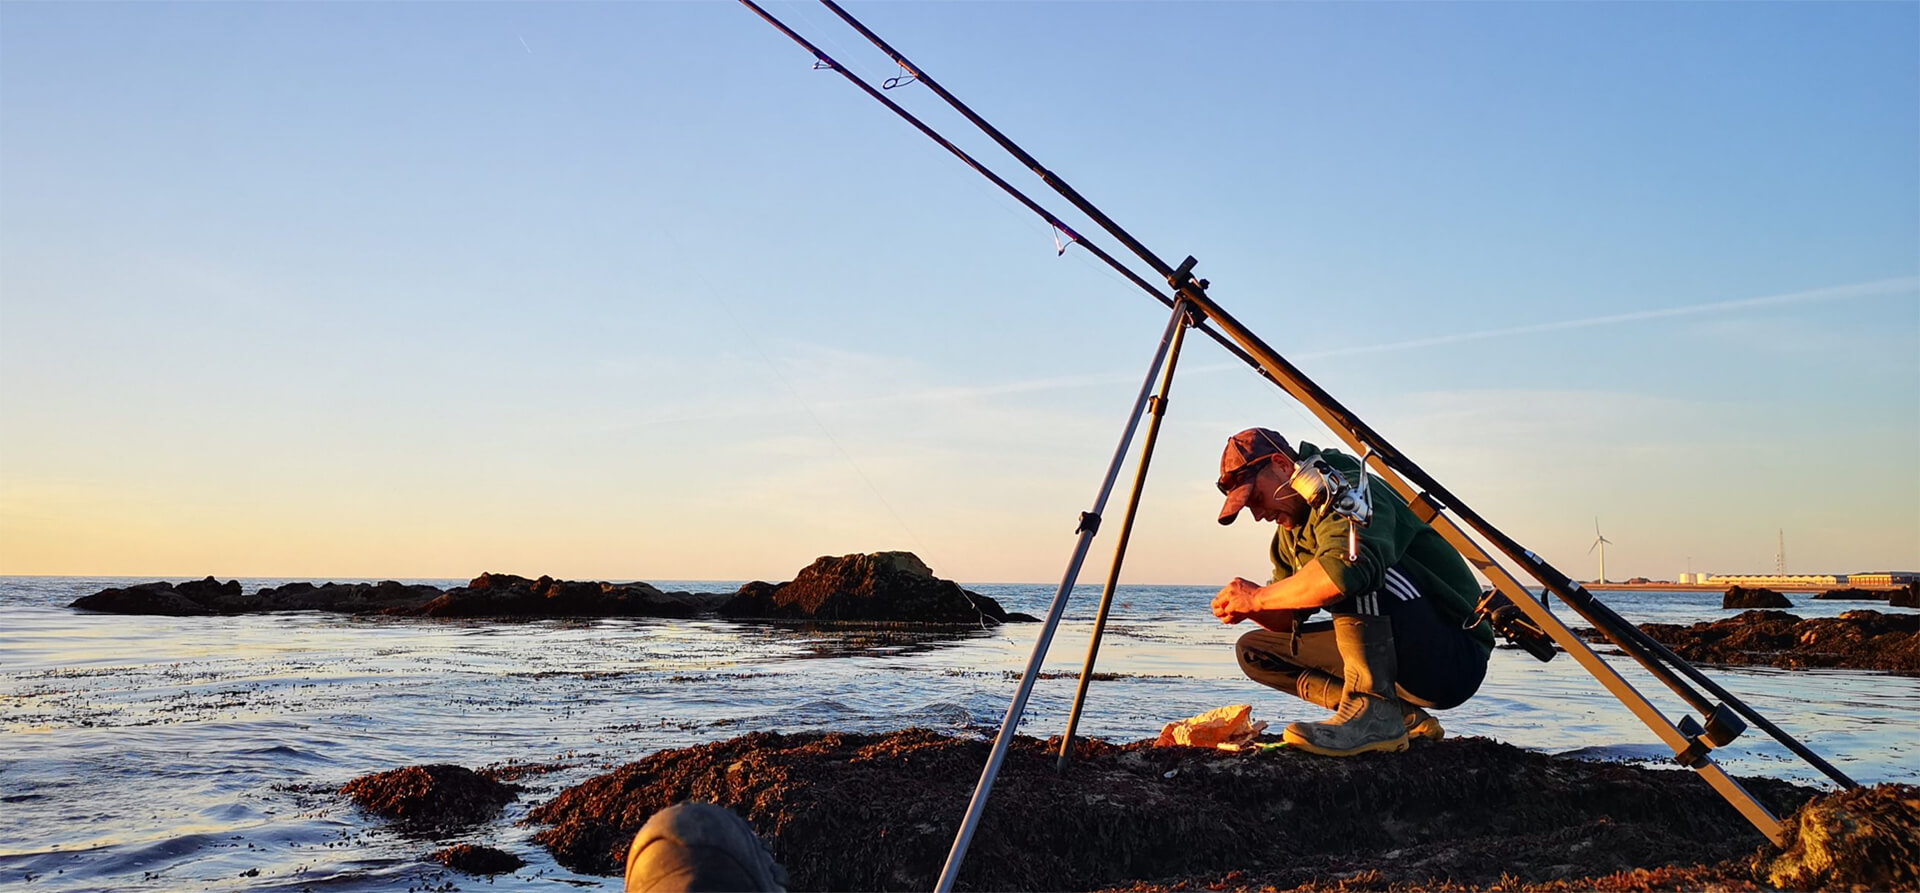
1369, 718
700, 847
1420, 723
1316, 687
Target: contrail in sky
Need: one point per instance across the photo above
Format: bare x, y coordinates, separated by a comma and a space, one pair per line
1857, 290
1831, 293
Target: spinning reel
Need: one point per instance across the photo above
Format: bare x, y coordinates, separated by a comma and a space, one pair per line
1323, 486
1512, 624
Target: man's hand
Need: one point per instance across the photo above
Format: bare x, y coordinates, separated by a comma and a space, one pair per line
1234, 602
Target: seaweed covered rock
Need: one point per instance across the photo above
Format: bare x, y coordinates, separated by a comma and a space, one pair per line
878, 812
158, 597
507, 595
209, 596
343, 598
489, 595
1859, 640
1851, 594
1908, 597
1863, 839
1757, 597
433, 798
474, 859
881, 586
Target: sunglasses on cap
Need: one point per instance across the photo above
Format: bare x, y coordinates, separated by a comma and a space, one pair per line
1242, 474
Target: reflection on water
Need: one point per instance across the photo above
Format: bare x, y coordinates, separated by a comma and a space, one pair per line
158, 753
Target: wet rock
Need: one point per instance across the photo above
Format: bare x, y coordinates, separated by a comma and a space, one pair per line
1742, 597
1863, 839
145, 598
474, 859
506, 595
1870, 595
873, 812
489, 595
209, 596
1906, 598
881, 586
345, 598
1859, 640
428, 799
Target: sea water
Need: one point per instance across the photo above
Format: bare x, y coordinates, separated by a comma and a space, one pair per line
163, 753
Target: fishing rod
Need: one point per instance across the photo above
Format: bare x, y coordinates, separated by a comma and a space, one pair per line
822, 60
1650, 653
1688, 739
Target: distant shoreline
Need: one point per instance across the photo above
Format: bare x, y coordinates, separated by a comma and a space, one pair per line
1722, 587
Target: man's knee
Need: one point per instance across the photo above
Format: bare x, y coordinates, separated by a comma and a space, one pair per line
1263, 652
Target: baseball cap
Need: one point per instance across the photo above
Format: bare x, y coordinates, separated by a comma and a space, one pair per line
1241, 462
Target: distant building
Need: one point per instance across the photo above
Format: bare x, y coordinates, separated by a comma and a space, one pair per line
1687, 579
1774, 579
1883, 579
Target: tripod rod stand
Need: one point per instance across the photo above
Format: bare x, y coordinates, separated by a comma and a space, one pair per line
1089, 525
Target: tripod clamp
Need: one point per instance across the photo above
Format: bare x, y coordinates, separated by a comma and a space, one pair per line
1182, 281
1723, 725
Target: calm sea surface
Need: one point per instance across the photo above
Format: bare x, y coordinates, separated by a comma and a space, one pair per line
157, 753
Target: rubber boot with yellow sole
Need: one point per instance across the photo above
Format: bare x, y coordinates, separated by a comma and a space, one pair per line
1369, 718
1316, 687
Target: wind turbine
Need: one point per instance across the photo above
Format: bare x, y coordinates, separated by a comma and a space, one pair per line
1599, 542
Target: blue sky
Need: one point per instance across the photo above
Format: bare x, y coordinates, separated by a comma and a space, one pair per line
628, 291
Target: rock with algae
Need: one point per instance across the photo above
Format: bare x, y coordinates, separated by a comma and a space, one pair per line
430, 799
1863, 839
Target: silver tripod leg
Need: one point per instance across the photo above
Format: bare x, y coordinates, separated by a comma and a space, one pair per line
1089, 525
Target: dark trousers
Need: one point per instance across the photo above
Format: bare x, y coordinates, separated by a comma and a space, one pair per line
1440, 665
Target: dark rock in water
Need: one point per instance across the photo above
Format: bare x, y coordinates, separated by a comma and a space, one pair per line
882, 586
1869, 595
1906, 598
489, 595
145, 598
1856, 640
427, 799
209, 596
345, 598
506, 595
474, 859
209, 589
878, 812
1742, 597
1863, 839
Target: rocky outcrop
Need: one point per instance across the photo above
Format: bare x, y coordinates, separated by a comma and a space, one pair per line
489, 595
878, 812
1742, 597
506, 595
474, 859
1858, 640
430, 799
147, 598
878, 587
209, 596
1906, 598
883, 587
1852, 594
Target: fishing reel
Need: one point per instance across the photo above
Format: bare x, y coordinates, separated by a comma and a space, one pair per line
1323, 486
1512, 624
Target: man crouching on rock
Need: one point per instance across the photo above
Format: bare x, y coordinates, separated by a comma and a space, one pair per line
1398, 641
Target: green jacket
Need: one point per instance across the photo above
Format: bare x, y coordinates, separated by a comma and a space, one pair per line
1395, 538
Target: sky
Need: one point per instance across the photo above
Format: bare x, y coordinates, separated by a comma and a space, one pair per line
630, 291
